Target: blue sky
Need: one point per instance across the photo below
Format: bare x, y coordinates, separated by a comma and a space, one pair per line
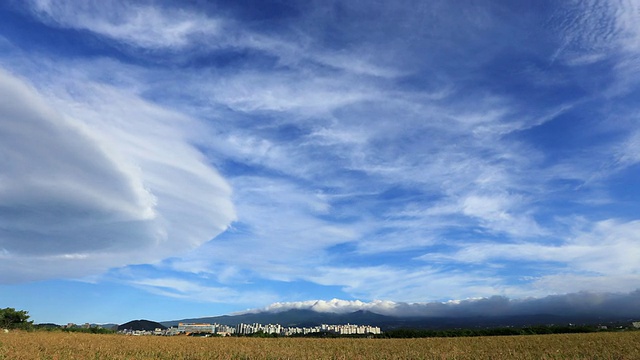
167, 160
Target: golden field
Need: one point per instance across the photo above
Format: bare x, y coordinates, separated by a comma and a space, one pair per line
58, 345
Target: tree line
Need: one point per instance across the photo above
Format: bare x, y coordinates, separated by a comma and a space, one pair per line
11, 318
503, 331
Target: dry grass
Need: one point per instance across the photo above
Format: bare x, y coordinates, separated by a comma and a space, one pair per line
42, 345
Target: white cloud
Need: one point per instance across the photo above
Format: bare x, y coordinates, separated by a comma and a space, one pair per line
179, 28
415, 283
138, 25
290, 92
197, 291
628, 153
347, 124
396, 236
496, 213
357, 65
598, 30
97, 181
607, 250
277, 229
331, 306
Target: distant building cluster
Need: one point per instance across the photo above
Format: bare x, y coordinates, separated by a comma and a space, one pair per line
189, 328
249, 329
348, 329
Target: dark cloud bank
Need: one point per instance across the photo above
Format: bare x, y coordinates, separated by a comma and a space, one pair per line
618, 305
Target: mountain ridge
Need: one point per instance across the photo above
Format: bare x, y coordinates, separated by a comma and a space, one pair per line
141, 325
310, 318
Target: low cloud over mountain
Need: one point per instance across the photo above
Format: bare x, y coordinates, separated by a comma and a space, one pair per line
575, 304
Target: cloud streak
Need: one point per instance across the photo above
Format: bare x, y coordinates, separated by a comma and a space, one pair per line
133, 24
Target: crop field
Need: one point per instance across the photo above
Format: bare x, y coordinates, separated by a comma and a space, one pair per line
58, 345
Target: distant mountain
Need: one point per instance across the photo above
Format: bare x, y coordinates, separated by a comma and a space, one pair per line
141, 325
47, 326
299, 318
308, 318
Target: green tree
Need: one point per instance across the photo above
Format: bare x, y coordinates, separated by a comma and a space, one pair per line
11, 318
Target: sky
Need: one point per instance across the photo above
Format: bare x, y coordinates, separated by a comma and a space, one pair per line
174, 159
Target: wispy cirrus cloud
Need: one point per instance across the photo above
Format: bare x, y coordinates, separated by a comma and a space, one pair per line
140, 25
174, 29
604, 251
409, 283
195, 290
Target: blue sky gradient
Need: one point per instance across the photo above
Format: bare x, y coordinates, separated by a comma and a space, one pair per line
168, 160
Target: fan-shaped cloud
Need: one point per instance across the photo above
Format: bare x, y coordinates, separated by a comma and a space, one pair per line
85, 188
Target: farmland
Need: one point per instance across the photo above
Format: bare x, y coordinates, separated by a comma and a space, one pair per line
58, 345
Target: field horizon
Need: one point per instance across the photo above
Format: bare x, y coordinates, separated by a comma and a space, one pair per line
59, 345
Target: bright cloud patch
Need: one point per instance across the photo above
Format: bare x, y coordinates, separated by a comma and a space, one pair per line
55, 178
86, 190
